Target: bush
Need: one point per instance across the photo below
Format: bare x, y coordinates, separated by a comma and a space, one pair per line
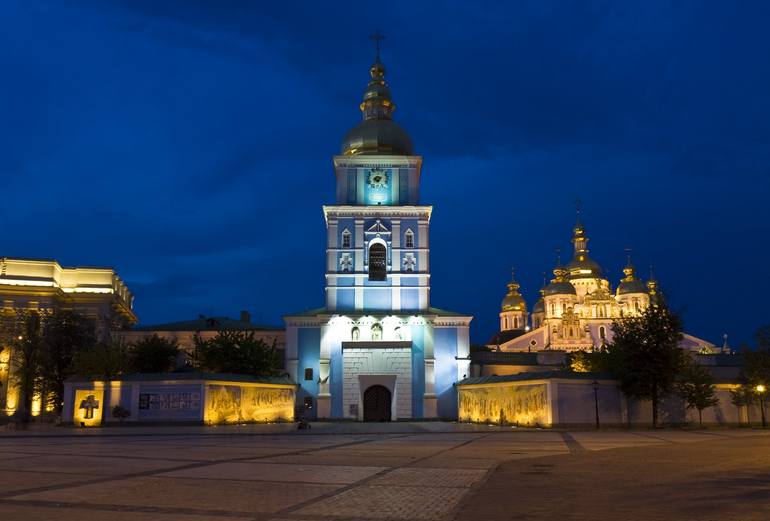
120, 412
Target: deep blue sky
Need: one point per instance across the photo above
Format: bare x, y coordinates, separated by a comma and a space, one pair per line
189, 143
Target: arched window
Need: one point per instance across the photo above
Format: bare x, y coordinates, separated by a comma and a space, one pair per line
345, 238
563, 307
409, 239
377, 262
602, 333
515, 322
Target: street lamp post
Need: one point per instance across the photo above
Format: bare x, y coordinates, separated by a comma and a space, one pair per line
595, 385
761, 392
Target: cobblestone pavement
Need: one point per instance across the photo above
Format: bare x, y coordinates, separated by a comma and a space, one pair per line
335, 472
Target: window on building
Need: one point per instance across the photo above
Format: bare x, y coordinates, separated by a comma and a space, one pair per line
346, 239
377, 262
309, 373
515, 322
409, 239
308, 402
602, 333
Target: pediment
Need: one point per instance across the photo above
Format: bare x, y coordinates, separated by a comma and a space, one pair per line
378, 227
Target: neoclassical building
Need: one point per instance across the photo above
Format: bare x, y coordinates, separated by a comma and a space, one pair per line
42, 285
377, 350
576, 309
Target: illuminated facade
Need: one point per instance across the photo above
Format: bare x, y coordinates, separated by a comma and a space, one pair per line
377, 350
576, 309
42, 285
212, 399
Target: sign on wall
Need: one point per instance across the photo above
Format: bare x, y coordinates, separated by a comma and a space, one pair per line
89, 407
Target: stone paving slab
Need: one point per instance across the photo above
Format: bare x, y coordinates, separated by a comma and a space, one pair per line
420, 477
424, 503
11, 512
214, 495
104, 466
15, 480
279, 472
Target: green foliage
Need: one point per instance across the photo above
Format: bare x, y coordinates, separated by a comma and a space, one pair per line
120, 412
743, 396
153, 354
585, 362
696, 387
237, 352
103, 361
644, 354
64, 333
756, 368
25, 361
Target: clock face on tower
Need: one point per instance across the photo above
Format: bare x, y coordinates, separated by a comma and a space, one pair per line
378, 178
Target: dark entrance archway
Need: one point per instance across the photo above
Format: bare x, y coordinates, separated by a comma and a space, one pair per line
377, 401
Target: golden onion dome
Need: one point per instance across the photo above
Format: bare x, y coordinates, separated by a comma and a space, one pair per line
630, 283
559, 285
377, 134
513, 301
581, 265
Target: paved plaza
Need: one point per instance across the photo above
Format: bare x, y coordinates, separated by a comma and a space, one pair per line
398, 471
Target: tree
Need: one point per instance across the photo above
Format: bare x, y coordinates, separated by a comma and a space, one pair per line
696, 387
153, 354
743, 396
64, 334
756, 366
645, 356
237, 352
103, 361
25, 361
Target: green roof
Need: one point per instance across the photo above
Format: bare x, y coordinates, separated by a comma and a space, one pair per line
208, 324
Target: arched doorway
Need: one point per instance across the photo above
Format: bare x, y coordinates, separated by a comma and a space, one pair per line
377, 400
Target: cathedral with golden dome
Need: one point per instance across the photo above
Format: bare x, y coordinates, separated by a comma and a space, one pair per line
576, 309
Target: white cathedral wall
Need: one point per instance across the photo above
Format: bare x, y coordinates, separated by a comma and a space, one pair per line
358, 363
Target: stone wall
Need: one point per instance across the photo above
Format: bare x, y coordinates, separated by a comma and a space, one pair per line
514, 403
387, 366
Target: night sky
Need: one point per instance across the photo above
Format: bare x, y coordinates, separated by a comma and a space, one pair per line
188, 144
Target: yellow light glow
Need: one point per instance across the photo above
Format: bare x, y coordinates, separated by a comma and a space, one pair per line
88, 407
36, 405
232, 402
760, 388
87, 290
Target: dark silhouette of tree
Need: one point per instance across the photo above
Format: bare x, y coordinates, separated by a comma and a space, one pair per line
104, 360
25, 362
756, 366
644, 354
153, 354
237, 352
743, 396
696, 387
64, 333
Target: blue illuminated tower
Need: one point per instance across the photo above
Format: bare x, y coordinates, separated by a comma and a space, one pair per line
377, 350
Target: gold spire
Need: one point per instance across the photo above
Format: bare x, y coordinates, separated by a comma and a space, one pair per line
377, 102
628, 271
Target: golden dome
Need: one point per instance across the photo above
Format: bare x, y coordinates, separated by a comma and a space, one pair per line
377, 133
513, 301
